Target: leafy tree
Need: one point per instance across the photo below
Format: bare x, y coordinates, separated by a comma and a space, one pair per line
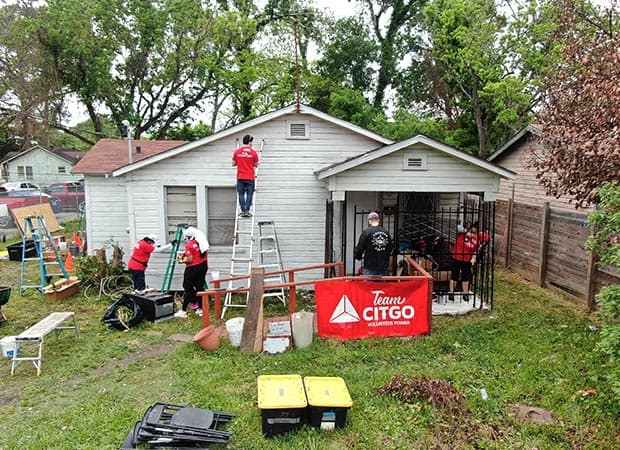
188, 132
580, 117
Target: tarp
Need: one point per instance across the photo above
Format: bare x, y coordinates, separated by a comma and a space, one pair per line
351, 309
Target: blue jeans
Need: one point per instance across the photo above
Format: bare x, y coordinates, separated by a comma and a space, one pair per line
366, 271
245, 191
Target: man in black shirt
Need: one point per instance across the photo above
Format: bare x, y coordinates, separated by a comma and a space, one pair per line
374, 245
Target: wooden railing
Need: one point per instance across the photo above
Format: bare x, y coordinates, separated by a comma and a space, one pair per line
291, 285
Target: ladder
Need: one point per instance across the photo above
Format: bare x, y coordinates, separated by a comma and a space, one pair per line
243, 242
36, 231
172, 259
270, 258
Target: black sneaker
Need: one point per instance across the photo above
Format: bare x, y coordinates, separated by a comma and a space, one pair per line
451, 296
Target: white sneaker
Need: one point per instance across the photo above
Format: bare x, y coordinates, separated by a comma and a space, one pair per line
181, 314
198, 312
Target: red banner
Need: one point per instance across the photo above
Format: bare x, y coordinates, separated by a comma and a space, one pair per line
353, 309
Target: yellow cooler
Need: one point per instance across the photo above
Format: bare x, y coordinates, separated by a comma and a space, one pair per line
282, 401
328, 402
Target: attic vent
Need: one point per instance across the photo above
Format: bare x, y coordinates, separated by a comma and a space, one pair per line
298, 129
414, 161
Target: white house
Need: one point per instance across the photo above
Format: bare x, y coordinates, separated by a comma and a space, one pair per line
41, 165
318, 175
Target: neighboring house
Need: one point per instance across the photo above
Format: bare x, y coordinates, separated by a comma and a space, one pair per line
516, 155
318, 177
41, 165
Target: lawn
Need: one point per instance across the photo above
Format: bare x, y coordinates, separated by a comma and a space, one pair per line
535, 348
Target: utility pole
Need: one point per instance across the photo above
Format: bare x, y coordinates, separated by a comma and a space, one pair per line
127, 126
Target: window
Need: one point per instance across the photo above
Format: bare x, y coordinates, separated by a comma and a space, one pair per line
298, 129
25, 172
221, 215
414, 161
62, 169
180, 207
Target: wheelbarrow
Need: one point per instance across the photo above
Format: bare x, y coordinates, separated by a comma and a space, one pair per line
5, 293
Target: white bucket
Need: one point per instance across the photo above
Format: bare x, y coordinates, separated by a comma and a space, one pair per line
234, 327
303, 328
9, 347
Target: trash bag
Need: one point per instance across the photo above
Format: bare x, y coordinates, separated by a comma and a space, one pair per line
123, 314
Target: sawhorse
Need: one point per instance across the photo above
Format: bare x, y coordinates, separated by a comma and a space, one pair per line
36, 333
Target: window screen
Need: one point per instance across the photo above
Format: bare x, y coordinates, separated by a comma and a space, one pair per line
221, 215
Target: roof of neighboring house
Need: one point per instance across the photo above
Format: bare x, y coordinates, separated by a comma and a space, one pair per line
108, 155
292, 109
349, 163
68, 154
517, 138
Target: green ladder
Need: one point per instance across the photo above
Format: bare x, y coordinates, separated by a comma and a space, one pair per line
172, 259
36, 230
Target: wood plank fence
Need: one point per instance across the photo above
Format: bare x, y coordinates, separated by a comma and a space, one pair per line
547, 246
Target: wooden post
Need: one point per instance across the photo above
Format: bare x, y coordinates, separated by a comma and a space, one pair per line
204, 300
508, 234
544, 243
590, 284
217, 302
252, 335
292, 293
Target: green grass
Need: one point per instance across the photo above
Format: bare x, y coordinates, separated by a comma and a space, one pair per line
534, 348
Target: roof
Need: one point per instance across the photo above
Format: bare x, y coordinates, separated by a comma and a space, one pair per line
108, 155
237, 129
510, 145
350, 163
68, 154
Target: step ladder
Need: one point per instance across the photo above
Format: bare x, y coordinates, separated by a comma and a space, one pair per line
172, 259
243, 243
48, 255
270, 258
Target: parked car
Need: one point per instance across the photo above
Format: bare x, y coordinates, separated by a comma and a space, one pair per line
19, 199
20, 186
70, 193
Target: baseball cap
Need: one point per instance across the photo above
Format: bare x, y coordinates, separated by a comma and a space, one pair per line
373, 216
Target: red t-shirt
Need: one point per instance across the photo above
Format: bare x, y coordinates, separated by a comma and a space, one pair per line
246, 159
193, 249
465, 245
140, 255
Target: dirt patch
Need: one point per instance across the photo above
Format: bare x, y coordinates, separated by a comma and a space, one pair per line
436, 392
8, 398
531, 414
153, 351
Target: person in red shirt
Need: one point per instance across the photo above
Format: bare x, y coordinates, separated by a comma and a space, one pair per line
138, 262
196, 266
245, 159
468, 242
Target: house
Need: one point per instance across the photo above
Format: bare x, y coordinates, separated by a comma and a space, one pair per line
525, 188
41, 165
318, 178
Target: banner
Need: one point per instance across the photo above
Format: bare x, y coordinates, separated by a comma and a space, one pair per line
353, 309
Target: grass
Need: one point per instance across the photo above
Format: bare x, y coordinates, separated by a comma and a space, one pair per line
535, 348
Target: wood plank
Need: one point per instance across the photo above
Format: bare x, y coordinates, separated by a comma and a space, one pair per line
253, 323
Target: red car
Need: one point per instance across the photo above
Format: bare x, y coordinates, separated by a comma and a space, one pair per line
70, 193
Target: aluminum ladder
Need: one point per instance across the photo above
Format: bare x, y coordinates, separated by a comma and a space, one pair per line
271, 259
243, 243
47, 254
172, 259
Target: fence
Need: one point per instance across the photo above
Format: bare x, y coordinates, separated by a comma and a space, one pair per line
547, 245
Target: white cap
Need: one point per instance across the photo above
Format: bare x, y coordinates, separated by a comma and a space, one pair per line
152, 237
189, 232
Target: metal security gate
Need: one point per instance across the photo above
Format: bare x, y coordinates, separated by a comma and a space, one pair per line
424, 229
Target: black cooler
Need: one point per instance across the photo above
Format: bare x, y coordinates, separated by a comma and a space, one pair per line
156, 306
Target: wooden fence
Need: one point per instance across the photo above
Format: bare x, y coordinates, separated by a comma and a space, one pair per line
547, 246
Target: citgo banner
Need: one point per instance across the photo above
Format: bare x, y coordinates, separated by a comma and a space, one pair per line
353, 309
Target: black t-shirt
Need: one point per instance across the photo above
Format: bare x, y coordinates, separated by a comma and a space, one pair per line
375, 245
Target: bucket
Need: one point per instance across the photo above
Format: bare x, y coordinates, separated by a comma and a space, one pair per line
9, 347
303, 328
234, 327
208, 338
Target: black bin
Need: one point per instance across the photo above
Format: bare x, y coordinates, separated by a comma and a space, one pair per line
15, 250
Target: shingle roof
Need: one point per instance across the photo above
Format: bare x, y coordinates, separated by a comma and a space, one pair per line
108, 155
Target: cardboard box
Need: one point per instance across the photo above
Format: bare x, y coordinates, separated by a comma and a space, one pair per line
328, 402
282, 400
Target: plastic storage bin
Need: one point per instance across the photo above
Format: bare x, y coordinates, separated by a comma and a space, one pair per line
282, 401
328, 402
15, 250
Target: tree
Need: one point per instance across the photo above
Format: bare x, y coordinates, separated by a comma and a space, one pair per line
580, 117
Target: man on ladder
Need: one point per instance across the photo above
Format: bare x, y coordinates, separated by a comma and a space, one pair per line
245, 159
